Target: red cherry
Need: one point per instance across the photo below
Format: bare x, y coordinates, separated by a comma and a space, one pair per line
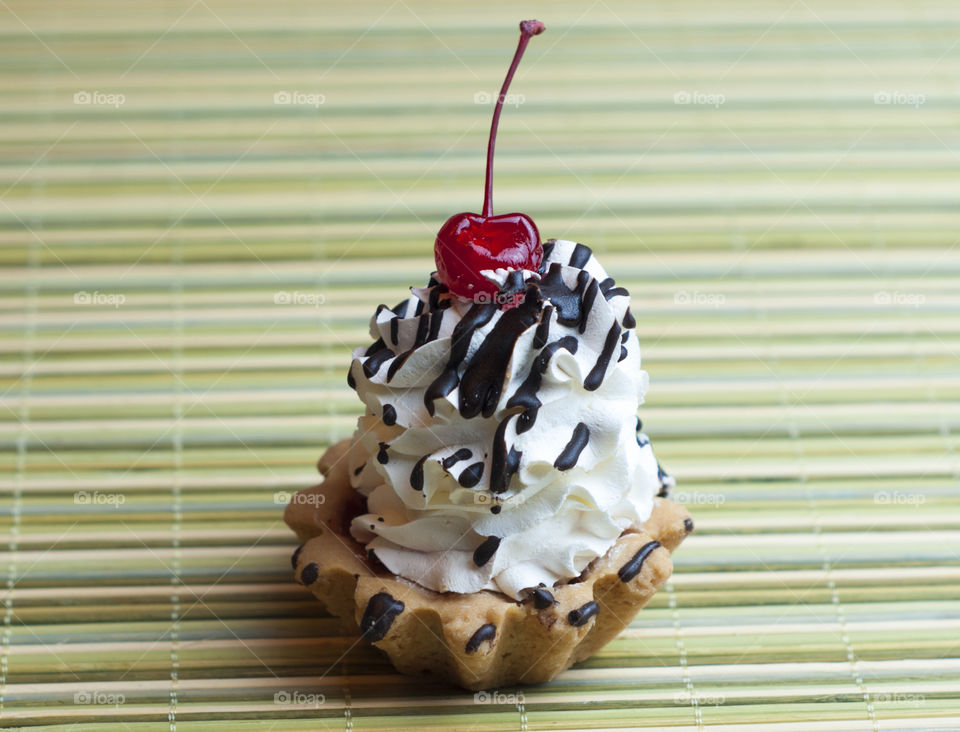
468, 243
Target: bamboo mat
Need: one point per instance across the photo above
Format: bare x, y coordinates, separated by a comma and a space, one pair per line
186, 266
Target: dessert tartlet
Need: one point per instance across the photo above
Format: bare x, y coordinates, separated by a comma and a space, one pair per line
498, 514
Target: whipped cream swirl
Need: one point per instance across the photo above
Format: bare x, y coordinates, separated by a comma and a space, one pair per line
501, 449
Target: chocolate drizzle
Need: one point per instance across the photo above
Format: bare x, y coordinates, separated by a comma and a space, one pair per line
609, 289
389, 416
566, 301
381, 611
482, 380
359, 469
382, 456
416, 475
436, 320
632, 568
484, 553
395, 330
688, 525
400, 309
588, 297
571, 453
477, 316
373, 363
484, 633
628, 320
583, 614
471, 475
503, 463
595, 377
525, 396
547, 252
397, 363
543, 329
375, 347
295, 556
580, 256
423, 329
462, 454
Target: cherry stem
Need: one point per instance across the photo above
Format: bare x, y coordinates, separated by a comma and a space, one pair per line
528, 29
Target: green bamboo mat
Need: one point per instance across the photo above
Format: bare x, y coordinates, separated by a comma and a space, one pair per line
186, 266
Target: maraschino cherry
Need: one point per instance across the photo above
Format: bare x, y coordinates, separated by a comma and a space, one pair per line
468, 243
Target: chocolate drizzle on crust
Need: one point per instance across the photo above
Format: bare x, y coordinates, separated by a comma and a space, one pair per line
309, 574
688, 525
484, 633
484, 553
583, 614
628, 320
381, 611
632, 568
382, 457
571, 453
595, 377
295, 556
542, 599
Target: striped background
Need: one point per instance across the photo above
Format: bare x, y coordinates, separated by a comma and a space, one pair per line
792, 255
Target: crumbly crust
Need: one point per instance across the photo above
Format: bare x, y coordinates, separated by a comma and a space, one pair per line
485, 639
